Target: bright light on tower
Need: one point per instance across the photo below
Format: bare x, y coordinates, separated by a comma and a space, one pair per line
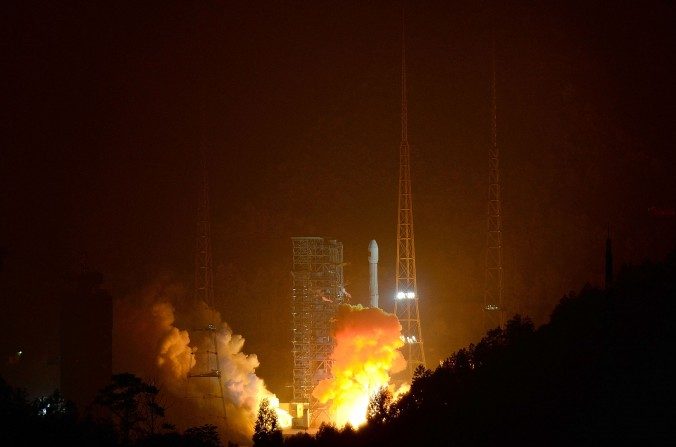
409, 339
407, 295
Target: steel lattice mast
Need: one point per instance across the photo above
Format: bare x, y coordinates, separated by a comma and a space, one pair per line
204, 281
204, 380
207, 366
493, 308
406, 298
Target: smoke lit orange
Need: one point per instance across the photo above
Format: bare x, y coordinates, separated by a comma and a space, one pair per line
366, 353
150, 344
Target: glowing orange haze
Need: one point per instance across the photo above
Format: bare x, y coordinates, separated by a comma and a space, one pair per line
149, 343
366, 353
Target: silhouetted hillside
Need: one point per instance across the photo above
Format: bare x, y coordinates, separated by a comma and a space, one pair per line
596, 374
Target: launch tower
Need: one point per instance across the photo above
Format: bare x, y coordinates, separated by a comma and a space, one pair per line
317, 290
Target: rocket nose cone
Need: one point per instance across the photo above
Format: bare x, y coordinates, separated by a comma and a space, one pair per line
373, 250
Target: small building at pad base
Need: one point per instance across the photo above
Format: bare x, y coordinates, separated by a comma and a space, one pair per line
300, 415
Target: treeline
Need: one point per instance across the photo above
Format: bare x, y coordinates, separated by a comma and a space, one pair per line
126, 413
599, 373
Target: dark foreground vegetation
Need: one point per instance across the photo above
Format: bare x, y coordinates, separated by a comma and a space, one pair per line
599, 373
127, 412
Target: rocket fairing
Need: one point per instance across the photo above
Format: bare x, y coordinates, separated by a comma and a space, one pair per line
373, 273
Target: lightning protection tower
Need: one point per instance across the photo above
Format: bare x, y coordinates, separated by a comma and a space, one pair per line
494, 312
406, 298
207, 364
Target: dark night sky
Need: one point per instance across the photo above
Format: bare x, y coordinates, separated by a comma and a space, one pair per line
101, 128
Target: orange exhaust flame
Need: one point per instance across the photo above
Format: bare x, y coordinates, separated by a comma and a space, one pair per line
366, 353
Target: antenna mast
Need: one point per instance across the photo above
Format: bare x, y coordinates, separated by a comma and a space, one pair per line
494, 312
406, 298
207, 364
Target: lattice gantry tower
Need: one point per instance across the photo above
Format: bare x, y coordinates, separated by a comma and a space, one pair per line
207, 366
406, 298
318, 289
494, 311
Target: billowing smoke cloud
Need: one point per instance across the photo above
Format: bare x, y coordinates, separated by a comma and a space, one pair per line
365, 355
148, 343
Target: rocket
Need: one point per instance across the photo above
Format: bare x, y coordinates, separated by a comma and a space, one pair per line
373, 273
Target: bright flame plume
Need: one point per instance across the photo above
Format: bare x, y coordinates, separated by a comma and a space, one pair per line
366, 353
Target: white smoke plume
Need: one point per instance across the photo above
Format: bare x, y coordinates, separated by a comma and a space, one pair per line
147, 342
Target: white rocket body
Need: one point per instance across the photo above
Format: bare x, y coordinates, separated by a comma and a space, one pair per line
373, 273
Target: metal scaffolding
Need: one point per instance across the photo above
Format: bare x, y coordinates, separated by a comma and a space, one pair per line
317, 290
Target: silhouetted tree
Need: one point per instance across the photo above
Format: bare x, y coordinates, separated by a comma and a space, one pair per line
47, 420
328, 435
53, 405
301, 439
202, 436
379, 406
15, 414
267, 432
133, 403
598, 373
